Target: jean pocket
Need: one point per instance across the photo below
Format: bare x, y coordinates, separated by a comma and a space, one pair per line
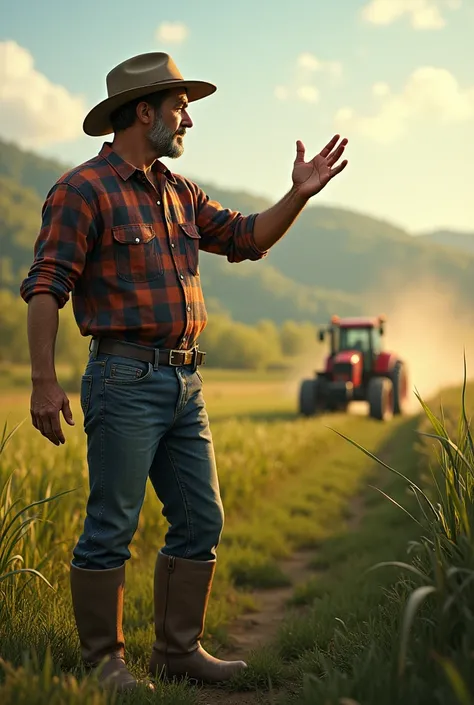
125, 371
137, 254
191, 242
86, 388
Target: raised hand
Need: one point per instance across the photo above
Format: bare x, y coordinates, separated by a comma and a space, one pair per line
311, 177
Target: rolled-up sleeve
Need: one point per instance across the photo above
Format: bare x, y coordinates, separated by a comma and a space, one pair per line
226, 232
67, 232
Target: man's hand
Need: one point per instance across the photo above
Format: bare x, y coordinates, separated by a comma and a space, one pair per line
311, 177
47, 400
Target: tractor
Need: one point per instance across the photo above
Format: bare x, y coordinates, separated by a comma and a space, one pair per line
356, 369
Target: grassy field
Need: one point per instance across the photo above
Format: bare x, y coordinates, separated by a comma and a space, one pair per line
288, 484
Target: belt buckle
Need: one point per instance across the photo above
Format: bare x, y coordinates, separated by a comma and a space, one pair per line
171, 357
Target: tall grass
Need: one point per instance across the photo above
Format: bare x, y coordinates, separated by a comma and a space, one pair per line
19, 529
437, 580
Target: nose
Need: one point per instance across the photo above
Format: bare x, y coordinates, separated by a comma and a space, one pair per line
186, 120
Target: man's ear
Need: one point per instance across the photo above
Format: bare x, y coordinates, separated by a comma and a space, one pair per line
144, 112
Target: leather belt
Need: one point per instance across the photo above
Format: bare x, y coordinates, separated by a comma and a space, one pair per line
175, 358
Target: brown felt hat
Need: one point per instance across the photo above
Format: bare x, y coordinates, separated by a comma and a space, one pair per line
135, 77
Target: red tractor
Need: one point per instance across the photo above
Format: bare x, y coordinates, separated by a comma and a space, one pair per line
357, 369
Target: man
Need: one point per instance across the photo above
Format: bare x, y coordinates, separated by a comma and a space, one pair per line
123, 234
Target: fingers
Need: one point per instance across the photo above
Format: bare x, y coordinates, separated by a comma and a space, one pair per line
52, 429
57, 430
337, 154
330, 146
337, 170
47, 401
300, 152
49, 427
67, 413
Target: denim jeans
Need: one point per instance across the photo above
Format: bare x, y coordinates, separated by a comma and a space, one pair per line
144, 421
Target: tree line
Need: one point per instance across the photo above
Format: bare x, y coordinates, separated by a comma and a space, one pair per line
229, 344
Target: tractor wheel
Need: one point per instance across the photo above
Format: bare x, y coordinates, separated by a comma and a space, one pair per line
308, 397
380, 398
399, 380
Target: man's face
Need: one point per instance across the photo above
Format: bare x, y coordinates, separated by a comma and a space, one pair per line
171, 121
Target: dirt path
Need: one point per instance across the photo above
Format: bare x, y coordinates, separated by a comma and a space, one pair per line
256, 629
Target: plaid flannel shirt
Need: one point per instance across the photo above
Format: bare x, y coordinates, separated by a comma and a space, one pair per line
127, 247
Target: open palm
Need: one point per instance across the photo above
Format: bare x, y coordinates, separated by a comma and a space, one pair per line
310, 177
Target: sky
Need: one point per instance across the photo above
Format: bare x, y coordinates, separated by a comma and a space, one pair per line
393, 76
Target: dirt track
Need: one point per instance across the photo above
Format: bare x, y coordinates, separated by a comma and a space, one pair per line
256, 629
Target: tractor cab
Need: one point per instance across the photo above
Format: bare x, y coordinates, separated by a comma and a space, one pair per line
355, 335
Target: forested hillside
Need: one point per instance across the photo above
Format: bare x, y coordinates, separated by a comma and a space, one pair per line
328, 261
331, 261
462, 241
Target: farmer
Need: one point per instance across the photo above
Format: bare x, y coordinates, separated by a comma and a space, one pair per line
123, 234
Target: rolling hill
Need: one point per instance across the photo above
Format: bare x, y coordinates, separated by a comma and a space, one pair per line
332, 260
454, 240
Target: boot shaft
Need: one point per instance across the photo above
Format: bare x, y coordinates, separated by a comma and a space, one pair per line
181, 594
97, 599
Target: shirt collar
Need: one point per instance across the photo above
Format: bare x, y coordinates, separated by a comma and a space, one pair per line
125, 170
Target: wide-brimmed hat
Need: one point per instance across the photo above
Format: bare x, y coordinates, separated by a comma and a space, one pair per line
135, 77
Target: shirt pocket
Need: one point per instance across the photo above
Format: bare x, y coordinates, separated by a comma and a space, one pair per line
137, 254
191, 243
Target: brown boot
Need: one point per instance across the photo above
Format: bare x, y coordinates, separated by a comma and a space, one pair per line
182, 589
97, 598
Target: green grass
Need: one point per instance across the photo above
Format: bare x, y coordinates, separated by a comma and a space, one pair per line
287, 483
366, 636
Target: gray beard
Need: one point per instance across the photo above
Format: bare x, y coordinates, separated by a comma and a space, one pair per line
163, 141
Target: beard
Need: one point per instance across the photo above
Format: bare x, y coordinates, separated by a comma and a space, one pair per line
164, 141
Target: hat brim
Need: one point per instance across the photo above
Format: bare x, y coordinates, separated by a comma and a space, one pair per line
97, 121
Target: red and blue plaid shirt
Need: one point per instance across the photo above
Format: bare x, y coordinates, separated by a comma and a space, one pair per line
127, 247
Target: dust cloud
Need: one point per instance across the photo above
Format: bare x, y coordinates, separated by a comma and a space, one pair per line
431, 329
305, 367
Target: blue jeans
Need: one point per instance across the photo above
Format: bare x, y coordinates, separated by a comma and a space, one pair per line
143, 421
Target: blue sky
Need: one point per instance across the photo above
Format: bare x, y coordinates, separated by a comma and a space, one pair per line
394, 76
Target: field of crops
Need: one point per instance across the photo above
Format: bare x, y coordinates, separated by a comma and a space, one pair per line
293, 490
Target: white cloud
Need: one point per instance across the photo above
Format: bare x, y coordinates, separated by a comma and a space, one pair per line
380, 89
430, 96
302, 87
308, 94
281, 92
34, 111
423, 14
310, 62
344, 115
334, 68
172, 32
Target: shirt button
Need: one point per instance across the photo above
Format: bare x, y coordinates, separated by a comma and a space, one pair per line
158, 203
184, 340
172, 244
137, 239
188, 308
181, 276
